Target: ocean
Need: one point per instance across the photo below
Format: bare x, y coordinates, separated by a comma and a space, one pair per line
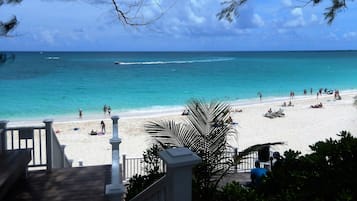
38, 85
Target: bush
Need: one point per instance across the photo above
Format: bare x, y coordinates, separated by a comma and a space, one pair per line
138, 183
234, 191
329, 173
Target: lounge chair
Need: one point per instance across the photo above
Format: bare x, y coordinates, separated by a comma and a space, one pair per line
271, 115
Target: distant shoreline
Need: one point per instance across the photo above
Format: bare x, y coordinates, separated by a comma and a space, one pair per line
159, 111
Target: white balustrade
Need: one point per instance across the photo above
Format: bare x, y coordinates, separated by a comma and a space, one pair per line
116, 189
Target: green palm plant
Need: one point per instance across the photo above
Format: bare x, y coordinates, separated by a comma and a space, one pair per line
204, 132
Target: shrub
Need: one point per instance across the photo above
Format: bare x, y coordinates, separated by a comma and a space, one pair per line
138, 183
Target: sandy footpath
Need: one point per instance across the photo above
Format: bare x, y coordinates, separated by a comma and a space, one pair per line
301, 127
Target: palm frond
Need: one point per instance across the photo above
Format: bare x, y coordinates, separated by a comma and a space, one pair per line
163, 130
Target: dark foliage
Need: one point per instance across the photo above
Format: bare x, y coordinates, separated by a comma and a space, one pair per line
138, 183
152, 160
328, 174
6, 27
231, 8
6, 57
235, 191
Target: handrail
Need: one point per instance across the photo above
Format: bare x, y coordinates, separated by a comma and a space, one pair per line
27, 126
158, 188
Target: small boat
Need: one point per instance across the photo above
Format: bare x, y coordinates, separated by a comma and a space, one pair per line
117, 62
52, 58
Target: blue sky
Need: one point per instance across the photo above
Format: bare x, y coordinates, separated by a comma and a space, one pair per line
91, 25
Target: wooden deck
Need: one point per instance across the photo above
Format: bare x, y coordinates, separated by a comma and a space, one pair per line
74, 184
67, 184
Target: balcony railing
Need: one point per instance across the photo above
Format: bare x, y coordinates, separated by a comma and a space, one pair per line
46, 151
135, 165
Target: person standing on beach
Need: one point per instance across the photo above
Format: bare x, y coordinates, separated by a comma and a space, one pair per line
105, 109
102, 124
109, 110
80, 113
260, 96
310, 91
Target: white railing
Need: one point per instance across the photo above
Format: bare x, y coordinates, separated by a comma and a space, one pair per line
135, 165
46, 151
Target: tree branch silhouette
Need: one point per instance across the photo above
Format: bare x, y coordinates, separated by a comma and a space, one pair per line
230, 9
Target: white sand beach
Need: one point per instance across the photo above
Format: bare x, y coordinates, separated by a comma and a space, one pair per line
301, 127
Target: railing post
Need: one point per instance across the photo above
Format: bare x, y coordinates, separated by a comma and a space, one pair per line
116, 189
3, 140
124, 167
235, 156
49, 143
179, 163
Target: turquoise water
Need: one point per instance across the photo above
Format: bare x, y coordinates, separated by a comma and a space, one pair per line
51, 84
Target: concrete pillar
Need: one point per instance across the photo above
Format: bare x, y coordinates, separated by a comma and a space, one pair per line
116, 189
49, 143
180, 162
3, 140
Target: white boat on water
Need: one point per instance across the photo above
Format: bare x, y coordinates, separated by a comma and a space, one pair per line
117, 62
52, 58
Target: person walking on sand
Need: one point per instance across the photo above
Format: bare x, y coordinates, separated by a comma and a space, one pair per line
103, 126
80, 113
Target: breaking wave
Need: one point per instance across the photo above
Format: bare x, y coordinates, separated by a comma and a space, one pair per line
176, 62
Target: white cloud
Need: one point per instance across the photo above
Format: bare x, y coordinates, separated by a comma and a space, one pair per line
297, 12
197, 3
297, 21
48, 36
195, 18
313, 18
287, 3
331, 36
350, 35
257, 20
